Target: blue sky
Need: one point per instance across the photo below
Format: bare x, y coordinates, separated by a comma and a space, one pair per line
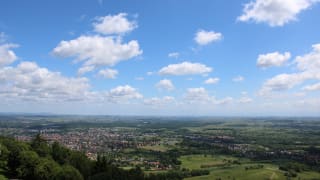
241, 58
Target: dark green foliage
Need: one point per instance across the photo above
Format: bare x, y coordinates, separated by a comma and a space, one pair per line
59, 153
46, 170
28, 161
135, 174
69, 173
14, 148
40, 145
4, 153
259, 166
178, 174
199, 172
80, 162
297, 167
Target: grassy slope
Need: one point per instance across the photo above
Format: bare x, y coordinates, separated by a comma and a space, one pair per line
238, 172
195, 161
225, 170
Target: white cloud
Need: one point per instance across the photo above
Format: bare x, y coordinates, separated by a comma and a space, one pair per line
203, 37
201, 96
245, 100
283, 82
273, 59
97, 51
238, 79
108, 73
28, 81
114, 24
165, 84
310, 62
212, 81
226, 100
173, 55
85, 69
308, 67
197, 95
122, 94
313, 87
159, 102
274, 12
7, 56
185, 68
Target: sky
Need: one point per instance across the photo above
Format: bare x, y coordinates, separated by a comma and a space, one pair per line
168, 57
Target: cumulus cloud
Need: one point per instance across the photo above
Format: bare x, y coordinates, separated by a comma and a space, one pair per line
165, 84
197, 95
185, 68
223, 101
310, 62
238, 79
7, 56
308, 67
108, 73
114, 24
274, 12
273, 59
122, 94
245, 100
283, 82
203, 37
28, 81
212, 81
105, 48
159, 102
85, 69
97, 51
174, 55
201, 96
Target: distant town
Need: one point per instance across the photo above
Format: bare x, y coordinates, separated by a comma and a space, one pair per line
162, 144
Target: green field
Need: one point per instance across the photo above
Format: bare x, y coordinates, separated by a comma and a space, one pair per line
223, 168
195, 161
239, 172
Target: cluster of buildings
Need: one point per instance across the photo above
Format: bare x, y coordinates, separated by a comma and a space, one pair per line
95, 141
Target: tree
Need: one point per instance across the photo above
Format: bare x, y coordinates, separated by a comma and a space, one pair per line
40, 145
47, 169
15, 148
136, 173
69, 173
4, 153
59, 153
28, 160
80, 162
